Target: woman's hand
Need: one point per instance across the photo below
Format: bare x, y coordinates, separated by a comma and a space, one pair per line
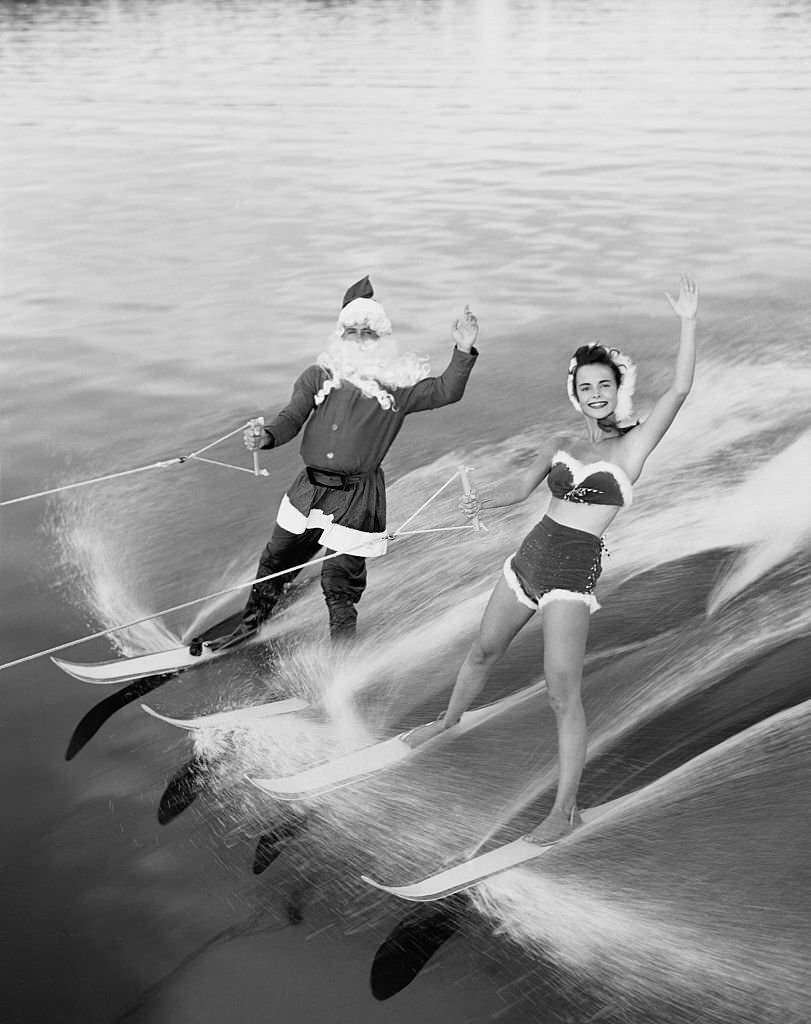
471, 505
686, 305
465, 330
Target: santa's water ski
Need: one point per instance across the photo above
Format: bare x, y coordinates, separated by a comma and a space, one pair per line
199, 651
234, 718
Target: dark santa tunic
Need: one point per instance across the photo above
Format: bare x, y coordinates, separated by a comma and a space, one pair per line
342, 490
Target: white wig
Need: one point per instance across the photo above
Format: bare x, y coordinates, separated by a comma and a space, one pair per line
364, 313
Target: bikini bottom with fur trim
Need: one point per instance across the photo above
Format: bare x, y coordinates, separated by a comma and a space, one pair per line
555, 562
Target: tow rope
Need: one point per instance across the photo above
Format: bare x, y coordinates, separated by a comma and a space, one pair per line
177, 460
462, 473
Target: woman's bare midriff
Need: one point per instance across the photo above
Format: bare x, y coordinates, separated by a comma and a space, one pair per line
593, 519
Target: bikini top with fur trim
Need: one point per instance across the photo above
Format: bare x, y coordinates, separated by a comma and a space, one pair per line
588, 483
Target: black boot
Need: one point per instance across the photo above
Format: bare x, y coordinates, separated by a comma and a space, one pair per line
248, 626
343, 618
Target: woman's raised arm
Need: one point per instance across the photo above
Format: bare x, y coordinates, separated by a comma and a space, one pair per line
644, 438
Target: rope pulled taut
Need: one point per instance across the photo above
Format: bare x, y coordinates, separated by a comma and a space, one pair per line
164, 611
425, 504
177, 460
401, 532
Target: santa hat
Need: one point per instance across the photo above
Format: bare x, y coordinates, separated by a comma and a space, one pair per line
359, 309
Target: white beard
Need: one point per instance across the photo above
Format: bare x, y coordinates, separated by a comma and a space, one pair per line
369, 368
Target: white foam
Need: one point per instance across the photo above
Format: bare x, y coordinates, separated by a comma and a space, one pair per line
772, 509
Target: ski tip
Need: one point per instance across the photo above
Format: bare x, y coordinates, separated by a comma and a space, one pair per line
426, 891
85, 673
392, 889
105, 673
67, 666
177, 722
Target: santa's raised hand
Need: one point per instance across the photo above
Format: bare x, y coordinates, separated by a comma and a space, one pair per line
465, 330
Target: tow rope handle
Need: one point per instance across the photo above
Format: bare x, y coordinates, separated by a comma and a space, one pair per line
464, 474
258, 427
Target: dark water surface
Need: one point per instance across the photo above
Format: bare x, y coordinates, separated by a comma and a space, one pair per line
187, 189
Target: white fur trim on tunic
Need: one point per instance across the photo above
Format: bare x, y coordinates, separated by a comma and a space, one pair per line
334, 536
371, 370
551, 595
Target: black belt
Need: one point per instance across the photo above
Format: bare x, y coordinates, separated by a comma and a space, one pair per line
335, 481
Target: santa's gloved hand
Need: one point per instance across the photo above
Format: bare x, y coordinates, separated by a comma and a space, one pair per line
254, 436
465, 330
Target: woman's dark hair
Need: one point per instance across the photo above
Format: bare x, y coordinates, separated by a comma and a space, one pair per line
588, 355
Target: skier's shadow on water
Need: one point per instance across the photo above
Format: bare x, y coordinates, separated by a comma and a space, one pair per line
184, 787
192, 778
273, 841
105, 709
412, 943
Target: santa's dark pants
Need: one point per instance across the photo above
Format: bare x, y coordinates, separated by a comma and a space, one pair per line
343, 580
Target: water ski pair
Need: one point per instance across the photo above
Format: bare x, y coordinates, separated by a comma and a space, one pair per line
332, 775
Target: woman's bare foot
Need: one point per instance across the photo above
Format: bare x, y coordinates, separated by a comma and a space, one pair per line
416, 737
554, 827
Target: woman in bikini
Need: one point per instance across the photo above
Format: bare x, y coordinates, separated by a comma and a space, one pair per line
558, 563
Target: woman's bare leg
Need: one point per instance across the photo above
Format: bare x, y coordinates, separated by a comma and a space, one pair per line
503, 617
565, 626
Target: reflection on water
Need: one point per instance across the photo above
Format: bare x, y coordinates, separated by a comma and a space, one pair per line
187, 188
196, 178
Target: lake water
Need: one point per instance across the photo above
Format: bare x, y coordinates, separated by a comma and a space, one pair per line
187, 189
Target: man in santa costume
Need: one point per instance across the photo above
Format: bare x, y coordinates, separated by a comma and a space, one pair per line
351, 404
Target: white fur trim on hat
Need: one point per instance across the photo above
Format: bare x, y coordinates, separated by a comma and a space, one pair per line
364, 313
